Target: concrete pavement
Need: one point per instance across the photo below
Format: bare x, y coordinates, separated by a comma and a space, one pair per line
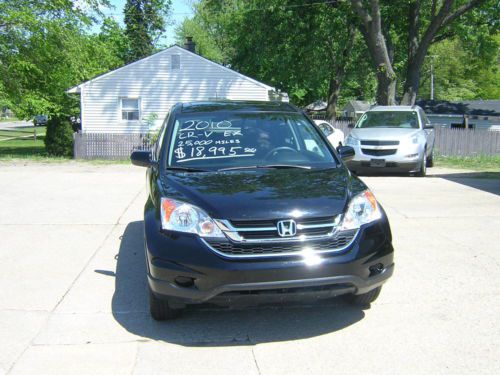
73, 288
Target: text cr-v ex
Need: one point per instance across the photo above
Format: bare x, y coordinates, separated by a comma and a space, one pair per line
249, 203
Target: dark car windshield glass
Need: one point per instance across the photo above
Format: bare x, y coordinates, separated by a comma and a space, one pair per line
230, 140
387, 119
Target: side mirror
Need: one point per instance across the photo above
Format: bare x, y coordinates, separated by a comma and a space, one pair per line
350, 125
346, 152
141, 158
428, 127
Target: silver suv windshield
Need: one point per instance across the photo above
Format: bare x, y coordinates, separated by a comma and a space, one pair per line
388, 119
232, 140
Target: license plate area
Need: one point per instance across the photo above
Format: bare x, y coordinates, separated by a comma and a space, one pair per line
377, 163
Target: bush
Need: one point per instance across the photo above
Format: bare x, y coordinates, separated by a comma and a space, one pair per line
59, 137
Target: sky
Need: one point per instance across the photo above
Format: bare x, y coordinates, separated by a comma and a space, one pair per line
180, 9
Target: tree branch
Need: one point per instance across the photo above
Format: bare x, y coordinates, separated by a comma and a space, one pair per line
440, 37
361, 11
460, 11
433, 9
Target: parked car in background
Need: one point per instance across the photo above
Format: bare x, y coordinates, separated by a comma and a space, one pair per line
335, 136
40, 120
248, 202
392, 139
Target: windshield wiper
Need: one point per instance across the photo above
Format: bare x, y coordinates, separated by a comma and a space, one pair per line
274, 166
280, 166
186, 169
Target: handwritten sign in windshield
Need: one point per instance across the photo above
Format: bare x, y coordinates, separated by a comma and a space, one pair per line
200, 139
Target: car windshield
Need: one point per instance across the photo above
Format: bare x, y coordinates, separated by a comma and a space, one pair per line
220, 140
388, 119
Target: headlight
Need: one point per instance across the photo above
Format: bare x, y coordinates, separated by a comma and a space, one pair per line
351, 141
183, 217
363, 209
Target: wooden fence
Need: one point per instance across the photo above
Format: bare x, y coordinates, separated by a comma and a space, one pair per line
449, 142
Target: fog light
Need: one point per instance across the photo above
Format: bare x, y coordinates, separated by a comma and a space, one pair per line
184, 281
376, 269
411, 156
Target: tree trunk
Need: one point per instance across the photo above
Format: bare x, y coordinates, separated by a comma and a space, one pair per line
333, 97
337, 78
386, 88
411, 85
371, 29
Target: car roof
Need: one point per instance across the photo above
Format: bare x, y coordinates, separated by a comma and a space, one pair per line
237, 106
394, 108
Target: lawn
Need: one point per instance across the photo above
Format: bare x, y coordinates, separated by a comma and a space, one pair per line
22, 148
476, 163
21, 132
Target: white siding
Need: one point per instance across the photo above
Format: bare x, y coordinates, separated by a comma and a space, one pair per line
159, 87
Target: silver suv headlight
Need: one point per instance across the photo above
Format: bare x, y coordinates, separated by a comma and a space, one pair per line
362, 209
184, 217
351, 141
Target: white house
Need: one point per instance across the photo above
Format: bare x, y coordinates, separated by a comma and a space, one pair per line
134, 97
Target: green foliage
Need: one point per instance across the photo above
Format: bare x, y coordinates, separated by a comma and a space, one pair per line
459, 74
145, 22
59, 137
205, 44
292, 47
44, 51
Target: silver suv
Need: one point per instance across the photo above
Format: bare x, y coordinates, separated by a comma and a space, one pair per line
392, 139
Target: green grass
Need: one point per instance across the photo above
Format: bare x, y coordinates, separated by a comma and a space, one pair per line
475, 163
23, 148
21, 132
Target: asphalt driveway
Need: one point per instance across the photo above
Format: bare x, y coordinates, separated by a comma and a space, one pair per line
73, 287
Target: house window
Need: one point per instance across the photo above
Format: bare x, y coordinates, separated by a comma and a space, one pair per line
175, 62
130, 109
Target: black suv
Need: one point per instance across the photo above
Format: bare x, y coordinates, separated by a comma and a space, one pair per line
249, 203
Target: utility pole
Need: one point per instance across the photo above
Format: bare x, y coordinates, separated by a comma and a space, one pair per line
432, 75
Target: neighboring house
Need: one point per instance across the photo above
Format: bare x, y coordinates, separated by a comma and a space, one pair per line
355, 108
137, 97
6, 113
475, 114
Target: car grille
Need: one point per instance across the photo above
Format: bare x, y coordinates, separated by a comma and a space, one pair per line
371, 152
333, 243
253, 229
379, 143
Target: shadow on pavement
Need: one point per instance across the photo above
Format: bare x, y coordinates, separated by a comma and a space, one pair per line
485, 181
205, 325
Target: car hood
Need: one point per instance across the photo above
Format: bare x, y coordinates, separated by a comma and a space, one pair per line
264, 193
378, 134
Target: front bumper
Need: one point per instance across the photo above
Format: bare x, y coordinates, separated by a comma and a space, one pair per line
406, 158
174, 256
390, 167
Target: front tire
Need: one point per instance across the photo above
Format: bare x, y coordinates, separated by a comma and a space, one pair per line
160, 308
430, 160
423, 167
365, 298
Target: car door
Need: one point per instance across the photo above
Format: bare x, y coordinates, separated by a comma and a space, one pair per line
429, 132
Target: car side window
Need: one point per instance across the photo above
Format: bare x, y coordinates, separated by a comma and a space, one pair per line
326, 129
159, 141
425, 120
309, 138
